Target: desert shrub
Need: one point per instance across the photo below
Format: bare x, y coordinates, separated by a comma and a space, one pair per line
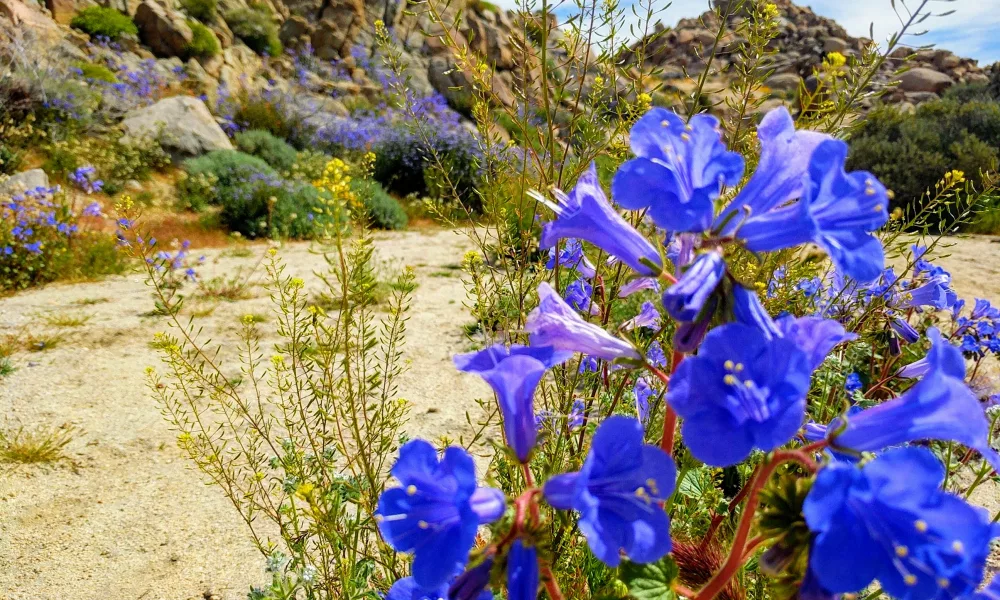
309, 165
99, 21
116, 158
10, 159
911, 152
203, 42
203, 10
265, 110
220, 169
93, 72
382, 210
42, 240
256, 28
265, 146
268, 207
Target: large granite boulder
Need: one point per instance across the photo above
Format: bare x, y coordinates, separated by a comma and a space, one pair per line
165, 31
26, 180
182, 124
922, 79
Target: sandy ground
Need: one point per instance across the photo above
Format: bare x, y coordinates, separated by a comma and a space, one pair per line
126, 517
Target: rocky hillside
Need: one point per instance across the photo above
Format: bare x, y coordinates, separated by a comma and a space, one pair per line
803, 40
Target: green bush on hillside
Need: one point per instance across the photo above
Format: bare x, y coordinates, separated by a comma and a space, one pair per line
203, 10
271, 149
911, 152
203, 43
104, 22
383, 211
218, 170
95, 72
256, 29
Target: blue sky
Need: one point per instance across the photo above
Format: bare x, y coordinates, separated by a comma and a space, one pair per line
973, 30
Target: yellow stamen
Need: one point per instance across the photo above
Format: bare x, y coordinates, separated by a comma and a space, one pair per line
943, 583
910, 579
921, 525
729, 380
957, 546
422, 524
902, 551
411, 490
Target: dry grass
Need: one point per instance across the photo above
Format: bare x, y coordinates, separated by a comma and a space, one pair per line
35, 446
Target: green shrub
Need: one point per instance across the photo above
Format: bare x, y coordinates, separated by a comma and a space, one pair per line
215, 171
10, 160
203, 44
104, 22
203, 10
272, 208
256, 28
911, 152
309, 165
116, 158
267, 111
384, 212
95, 72
274, 151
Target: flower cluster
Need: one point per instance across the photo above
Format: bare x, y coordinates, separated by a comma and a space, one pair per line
739, 385
86, 179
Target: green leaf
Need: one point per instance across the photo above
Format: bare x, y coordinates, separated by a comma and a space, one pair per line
693, 484
650, 582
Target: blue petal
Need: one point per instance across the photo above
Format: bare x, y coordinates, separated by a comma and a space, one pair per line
417, 461
686, 298
407, 589
561, 491
437, 557
715, 438
514, 381
488, 504
522, 572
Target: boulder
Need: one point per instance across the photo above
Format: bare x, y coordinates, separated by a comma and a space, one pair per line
833, 44
25, 180
62, 11
296, 32
339, 24
783, 81
183, 125
922, 79
165, 31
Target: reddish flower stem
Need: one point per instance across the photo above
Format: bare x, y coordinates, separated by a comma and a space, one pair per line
737, 553
551, 585
669, 416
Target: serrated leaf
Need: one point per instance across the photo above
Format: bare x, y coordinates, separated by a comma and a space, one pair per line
652, 581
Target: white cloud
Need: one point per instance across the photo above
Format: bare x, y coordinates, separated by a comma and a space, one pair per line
969, 31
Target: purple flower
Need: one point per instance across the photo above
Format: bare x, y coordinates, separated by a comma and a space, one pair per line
470, 585
936, 293
638, 284
939, 407
655, 355
685, 299
904, 330
679, 170
648, 317
837, 212
780, 175
522, 572
618, 494
571, 255
853, 383
748, 310
579, 295
688, 336
642, 392
554, 323
576, 414
514, 373
586, 214
92, 210
436, 511
408, 589
815, 336
889, 520
741, 391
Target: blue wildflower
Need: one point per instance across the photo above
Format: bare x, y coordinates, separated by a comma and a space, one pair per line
585, 213
656, 356
577, 414
579, 295
904, 330
853, 383
472, 584
679, 171
935, 293
514, 373
618, 493
522, 572
785, 154
554, 323
889, 520
642, 392
571, 256
685, 299
637, 285
689, 335
741, 391
815, 336
939, 407
748, 310
837, 212
648, 317
436, 511
588, 364
408, 589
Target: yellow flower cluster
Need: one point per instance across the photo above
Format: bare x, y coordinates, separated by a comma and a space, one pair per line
335, 192
770, 11
955, 176
835, 60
